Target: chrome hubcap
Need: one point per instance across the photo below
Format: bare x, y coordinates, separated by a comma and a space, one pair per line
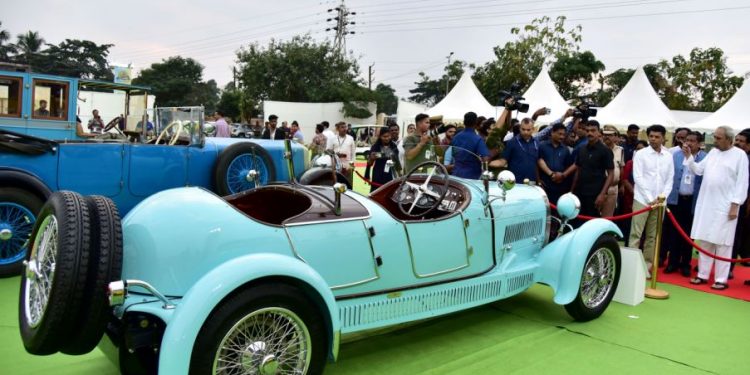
40, 272
6, 234
598, 277
268, 341
252, 175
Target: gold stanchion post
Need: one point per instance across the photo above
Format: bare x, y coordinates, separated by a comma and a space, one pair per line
652, 291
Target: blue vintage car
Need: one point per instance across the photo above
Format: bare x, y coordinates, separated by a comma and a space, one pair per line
266, 281
43, 150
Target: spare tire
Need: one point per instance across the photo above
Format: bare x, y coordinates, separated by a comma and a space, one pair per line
105, 266
52, 286
234, 163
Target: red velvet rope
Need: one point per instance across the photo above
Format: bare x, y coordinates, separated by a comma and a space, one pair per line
369, 182
695, 245
612, 218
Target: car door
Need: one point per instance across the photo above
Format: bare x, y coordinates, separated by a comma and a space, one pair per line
339, 251
91, 168
438, 248
155, 168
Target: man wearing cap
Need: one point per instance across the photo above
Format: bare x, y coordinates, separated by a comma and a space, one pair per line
631, 141
611, 135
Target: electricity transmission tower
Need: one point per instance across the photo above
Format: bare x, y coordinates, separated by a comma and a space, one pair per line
341, 24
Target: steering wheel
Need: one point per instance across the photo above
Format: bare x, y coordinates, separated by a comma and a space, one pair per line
111, 124
176, 135
421, 196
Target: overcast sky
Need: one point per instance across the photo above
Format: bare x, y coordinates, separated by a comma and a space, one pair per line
401, 38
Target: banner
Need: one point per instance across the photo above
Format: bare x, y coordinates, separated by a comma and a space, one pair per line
122, 74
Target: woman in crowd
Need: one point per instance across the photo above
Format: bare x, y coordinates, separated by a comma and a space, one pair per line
319, 141
382, 151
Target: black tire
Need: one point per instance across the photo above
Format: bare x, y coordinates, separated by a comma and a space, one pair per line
12, 254
234, 153
246, 303
43, 333
607, 251
105, 265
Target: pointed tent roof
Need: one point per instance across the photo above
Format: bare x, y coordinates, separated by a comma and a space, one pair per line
464, 97
543, 93
637, 103
732, 113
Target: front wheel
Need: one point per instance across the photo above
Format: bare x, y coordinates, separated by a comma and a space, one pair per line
601, 273
18, 210
269, 329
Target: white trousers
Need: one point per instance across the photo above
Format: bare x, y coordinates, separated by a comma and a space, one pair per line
721, 273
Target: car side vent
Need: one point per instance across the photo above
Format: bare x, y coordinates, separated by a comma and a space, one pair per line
417, 306
519, 282
523, 230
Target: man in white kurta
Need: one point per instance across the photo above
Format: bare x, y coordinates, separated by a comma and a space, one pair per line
724, 189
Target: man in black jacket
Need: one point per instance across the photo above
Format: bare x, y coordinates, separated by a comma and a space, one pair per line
271, 131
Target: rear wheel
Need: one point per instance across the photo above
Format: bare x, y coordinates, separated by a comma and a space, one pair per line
105, 265
601, 273
234, 163
55, 276
269, 329
18, 209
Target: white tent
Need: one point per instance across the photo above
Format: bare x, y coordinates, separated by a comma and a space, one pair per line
543, 93
689, 117
464, 97
637, 103
731, 114
407, 111
310, 114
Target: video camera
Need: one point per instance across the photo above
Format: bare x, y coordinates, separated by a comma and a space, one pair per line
583, 110
515, 93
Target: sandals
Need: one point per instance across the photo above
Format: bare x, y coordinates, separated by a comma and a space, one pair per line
698, 280
719, 286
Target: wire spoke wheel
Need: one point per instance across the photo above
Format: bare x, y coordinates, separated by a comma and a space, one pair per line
272, 340
40, 271
598, 277
16, 225
237, 173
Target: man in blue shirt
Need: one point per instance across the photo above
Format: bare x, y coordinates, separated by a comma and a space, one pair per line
555, 164
468, 150
522, 152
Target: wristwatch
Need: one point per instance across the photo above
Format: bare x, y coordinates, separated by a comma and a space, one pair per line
552, 173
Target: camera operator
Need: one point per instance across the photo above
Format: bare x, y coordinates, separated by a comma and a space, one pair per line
422, 145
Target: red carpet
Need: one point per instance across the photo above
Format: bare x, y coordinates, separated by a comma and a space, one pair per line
736, 287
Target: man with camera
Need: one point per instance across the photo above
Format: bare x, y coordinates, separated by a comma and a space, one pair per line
422, 145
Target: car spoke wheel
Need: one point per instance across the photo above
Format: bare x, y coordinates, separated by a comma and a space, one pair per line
599, 278
232, 172
53, 284
268, 341
265, 329
18, 209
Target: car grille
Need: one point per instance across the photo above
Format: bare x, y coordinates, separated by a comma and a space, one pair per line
523, 230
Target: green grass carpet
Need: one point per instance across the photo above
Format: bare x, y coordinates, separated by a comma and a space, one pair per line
690, 333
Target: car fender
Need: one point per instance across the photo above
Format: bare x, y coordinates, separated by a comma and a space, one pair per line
25, 180
313, 174
561, 262
198, 303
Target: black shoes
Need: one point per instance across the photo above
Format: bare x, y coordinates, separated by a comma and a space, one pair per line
670, 269
685, 271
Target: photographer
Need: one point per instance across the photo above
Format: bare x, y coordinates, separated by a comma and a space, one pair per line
383, 151
422, 145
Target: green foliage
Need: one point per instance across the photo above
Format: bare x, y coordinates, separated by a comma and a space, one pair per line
702, 81
544, 40
570, 72
178, 81
301, 70
75, 58
230, 102
430, 91
386, 98
6, 50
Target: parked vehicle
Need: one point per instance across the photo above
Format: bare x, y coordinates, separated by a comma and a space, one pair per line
365, 136
126, 168
267, 280
243, 131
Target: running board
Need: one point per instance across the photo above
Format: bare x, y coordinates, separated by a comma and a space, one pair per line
359, 314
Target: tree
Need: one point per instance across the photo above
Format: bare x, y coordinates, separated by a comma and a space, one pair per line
230, 102
28, 46
386, 99
572, 72
431, 92
301, 70
75, 58
702, 81
519, 61
178, 81
6, 50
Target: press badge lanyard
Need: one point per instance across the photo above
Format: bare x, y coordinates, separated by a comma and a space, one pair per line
524, 150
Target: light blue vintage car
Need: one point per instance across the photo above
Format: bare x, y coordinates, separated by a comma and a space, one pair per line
266, 281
